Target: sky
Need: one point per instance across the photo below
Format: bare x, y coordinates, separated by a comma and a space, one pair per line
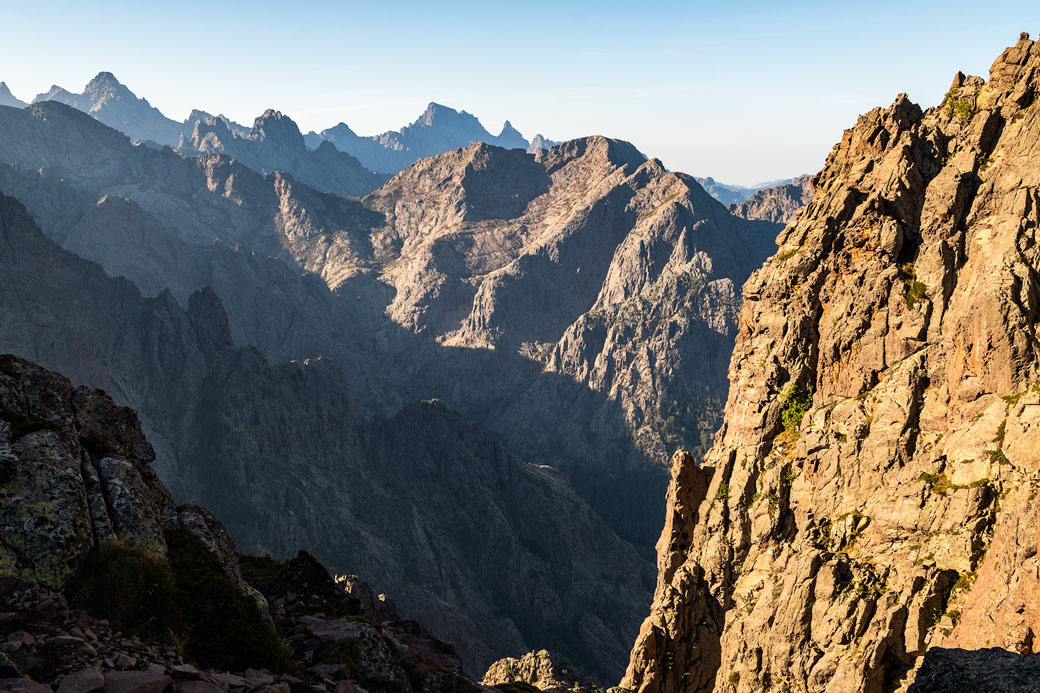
740, 91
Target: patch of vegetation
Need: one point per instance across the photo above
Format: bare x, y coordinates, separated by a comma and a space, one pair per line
130, 586
518, 687
940, 483
796, 403
225, 627
688, 286
955, 107
186, 599
344, 651
915, 291
723, 493
788, 254
964, 581
997, 457
264, 573
774, 502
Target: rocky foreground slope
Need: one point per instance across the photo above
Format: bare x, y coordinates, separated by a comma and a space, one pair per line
872, 495
105, 584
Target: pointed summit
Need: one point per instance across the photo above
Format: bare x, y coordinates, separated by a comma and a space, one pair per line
104, 78
112, 103
539, 143
510, 138
9, 99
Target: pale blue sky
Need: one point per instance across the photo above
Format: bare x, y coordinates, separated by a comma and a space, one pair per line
742, 91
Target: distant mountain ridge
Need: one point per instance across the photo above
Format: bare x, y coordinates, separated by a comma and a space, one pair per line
439, 129
778, 204
275, 143
729, 194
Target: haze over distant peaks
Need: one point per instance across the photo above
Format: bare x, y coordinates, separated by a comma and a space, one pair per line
106, 99
729, 194
9, 99
439, 129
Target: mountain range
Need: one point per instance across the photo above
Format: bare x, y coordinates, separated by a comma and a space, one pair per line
729, 194
565, 318
463, 384
438, 129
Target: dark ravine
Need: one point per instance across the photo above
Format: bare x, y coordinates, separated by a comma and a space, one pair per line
867, 515
307, 475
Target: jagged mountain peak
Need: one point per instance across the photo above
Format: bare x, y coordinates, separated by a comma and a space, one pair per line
112, 103
9, 99
103, 79
539, 142
439, 115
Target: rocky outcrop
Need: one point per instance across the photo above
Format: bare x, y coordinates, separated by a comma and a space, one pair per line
74, 475
539, 143
873, 487
542, 669
779, 204
275, 143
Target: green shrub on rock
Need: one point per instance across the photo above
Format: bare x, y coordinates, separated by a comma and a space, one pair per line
225, 628
132, 587
796, 402
185, 599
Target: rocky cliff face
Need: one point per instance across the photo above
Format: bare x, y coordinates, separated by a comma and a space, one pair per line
872, 492
650, 264
779, 204
275, 143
